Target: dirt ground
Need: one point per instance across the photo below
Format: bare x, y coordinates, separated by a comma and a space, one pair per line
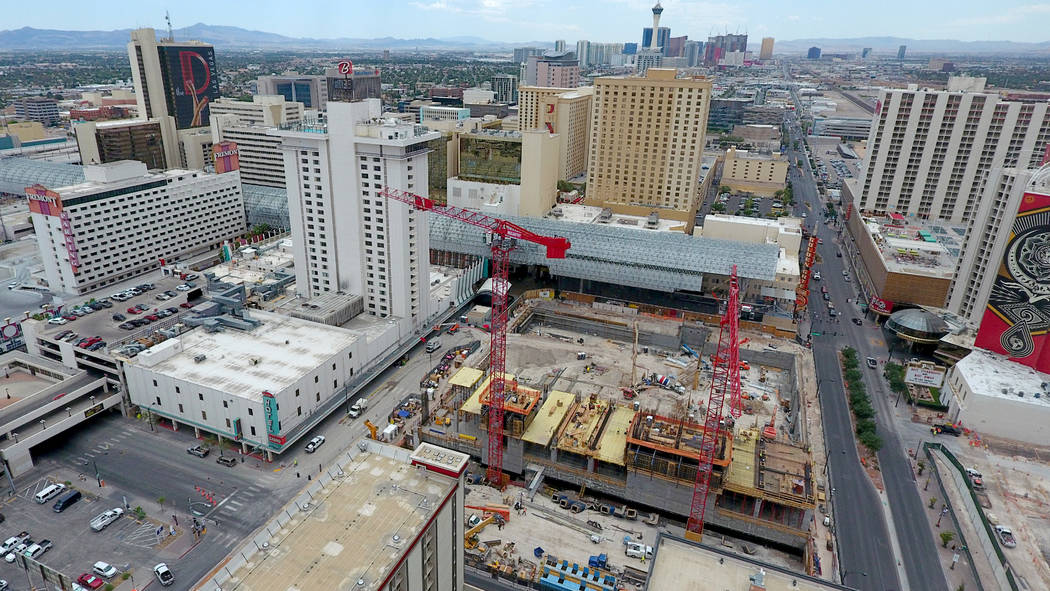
537, 357
1017, 490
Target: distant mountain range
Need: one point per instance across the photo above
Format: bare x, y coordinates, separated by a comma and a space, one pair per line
28, 38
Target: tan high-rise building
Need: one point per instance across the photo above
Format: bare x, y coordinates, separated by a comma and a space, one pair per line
562, 111
766, 53
647, 140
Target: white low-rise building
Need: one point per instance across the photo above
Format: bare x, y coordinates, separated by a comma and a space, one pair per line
253, 384
123, 221
785, 232
994, 396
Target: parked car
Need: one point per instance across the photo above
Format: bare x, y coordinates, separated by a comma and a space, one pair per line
170, 293
173, 310
315, 443
69, 317
104, 303
119, 317
163, 296
58, 320
182, 287
132, 310
34, 551
228, 461
90, 581
186, 305
104, 570
198, 450
164, 574
102, 520
152, 317
1006, 537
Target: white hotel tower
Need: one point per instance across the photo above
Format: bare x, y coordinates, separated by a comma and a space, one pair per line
347, 237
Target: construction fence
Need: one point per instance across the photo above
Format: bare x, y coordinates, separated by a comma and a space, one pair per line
972, 510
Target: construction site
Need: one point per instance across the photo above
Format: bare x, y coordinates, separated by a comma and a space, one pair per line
602, 428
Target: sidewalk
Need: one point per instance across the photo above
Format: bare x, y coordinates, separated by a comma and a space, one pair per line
962, 573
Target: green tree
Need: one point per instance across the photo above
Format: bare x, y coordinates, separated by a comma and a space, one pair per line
724, 189
946, 538
564, 186
718, 207
922, 466
933, 501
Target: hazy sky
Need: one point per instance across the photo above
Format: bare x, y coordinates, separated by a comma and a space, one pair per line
525, 20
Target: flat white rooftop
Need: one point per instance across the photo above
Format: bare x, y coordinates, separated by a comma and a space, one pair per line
589, 214
286, 349
993, 375
358, 528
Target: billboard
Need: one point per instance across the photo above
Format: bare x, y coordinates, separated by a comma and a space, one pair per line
880, 306
191, 82
226, 157
1016, 321
924, 374
44, 201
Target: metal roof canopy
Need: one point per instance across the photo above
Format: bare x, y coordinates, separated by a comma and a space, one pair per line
665, 261
18, 173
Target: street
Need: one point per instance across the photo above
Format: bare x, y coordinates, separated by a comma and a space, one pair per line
866, 551
145, 464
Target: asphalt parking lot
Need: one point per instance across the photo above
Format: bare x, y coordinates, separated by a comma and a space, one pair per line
101, 323
761, 207
124, 543
151, 470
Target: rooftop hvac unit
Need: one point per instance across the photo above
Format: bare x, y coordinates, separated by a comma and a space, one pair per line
199, 358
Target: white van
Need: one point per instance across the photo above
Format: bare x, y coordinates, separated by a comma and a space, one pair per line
433, 345
49, 493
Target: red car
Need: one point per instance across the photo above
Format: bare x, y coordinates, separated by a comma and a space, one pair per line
133, 310
90, 581
69, 317
185, 305
153, 317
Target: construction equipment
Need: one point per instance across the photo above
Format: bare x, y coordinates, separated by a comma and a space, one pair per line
470, 537
504, 237
770, 430
371, 429
725, 380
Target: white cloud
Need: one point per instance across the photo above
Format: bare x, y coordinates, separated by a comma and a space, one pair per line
794, 18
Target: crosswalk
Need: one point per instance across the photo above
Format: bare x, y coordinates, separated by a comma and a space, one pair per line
117, 436
239, 500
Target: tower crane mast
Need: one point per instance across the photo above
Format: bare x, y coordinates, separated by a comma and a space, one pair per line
725, 381
504, 238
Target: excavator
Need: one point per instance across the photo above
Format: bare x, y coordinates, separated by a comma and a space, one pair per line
470, 537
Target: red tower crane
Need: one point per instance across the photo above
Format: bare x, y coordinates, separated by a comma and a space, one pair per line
725, 380
504, 235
